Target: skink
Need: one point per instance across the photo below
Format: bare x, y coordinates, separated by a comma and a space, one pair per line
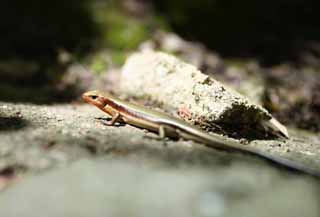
167, 125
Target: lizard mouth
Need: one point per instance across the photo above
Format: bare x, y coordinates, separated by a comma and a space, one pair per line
86, 98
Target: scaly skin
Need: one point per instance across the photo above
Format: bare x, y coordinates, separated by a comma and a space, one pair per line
167, 125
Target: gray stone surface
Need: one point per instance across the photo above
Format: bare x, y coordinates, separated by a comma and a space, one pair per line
109, 187
67, 163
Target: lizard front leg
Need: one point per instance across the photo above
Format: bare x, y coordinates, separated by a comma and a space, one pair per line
116, 117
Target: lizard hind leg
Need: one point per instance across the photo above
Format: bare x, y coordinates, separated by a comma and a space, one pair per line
167, 131
162, 132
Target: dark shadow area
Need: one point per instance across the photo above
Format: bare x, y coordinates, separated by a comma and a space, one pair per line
247, 132
272, 31
36, 30
35, 35
44, 94
12, 123
11, 170
294, 97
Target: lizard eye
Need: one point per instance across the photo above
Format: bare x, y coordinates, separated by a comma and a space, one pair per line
94, 97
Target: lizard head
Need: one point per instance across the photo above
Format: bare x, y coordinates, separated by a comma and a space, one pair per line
95, 97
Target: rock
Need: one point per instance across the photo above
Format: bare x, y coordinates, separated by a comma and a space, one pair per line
197, 97
59, 160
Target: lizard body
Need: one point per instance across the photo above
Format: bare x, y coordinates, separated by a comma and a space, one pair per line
167, 125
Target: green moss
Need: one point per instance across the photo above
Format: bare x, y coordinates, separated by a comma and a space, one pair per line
119, 58
162, 23
99, 64
122, 31
237, 62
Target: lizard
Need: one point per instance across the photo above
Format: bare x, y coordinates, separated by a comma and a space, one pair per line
170, 126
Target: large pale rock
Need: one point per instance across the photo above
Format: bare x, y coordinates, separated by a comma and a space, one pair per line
181, 87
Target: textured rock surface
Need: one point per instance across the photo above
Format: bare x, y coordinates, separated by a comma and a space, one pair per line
61, 161
181, 87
